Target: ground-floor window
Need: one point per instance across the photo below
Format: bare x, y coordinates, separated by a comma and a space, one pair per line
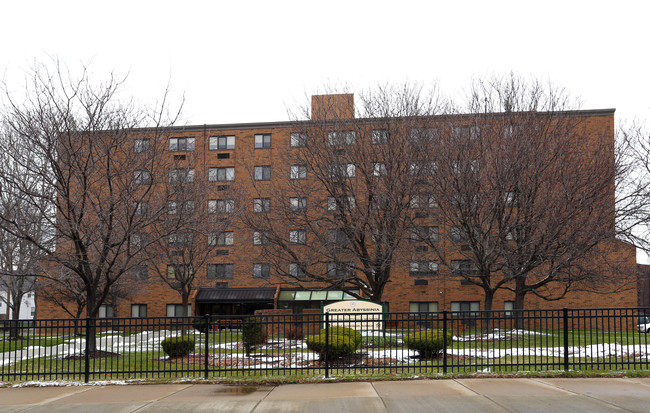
138, 310
106, 311
508, 306
176, 310
423, 307
465, 306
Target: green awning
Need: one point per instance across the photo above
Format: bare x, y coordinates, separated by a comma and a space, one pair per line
314, 295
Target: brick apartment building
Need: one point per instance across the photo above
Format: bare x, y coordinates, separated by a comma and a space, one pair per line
253, 161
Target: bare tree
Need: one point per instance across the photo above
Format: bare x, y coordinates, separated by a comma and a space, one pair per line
194, 227
340, 198
95, 174
525, 189
19, 259
633, 184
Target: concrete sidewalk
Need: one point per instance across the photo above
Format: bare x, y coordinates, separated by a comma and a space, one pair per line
457, 396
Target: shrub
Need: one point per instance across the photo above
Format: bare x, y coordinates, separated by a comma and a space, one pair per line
381, 342
428, 342
354, 335
253, 334
342, 341
200, 324
178, 346
295, 333
338, 346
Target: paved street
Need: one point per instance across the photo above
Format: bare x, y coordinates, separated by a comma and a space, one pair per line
461, 395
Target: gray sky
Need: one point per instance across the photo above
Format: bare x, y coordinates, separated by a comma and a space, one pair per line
244, 61
248, 61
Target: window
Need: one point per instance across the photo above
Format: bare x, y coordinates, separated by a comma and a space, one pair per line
379, 169
463, 267
297, 236
261, 204
141, 208
141, 145
423, 201
379, 202
106, 311
221, 239
466, 132
508, 306
337, 237
220, 271
261, 270
345, 204
180, 176
298, 139
262, 141
424, 234
138, 310
218, 143
511, 198
341, 138
180, 239
423, 168
260, 238
177, 207
379, 137
221, 206
298, 172
297, 269
141, 177
463, 167
458, 234
513, 233
181, 144
340, 269
138, 240
423, 268
298, 204
262, 173
511, 131
141, 272
423, 135
221, 174
423, 307
342, 170
179, 271
176, 310
465, 306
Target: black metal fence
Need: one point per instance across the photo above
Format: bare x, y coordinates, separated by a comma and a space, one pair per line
314, 344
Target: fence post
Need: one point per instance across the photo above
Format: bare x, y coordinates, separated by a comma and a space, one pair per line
87, 352
206, 322
327, 341
565, 317
444, 341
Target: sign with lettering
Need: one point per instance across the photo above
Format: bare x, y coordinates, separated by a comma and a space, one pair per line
357, 314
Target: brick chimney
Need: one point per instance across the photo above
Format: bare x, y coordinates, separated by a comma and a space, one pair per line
329, 107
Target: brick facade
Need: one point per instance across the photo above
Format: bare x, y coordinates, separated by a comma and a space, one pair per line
400, 291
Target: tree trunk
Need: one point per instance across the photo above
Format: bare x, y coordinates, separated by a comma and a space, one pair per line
487, 306
185, 299
91, 312
520, 295
14, 329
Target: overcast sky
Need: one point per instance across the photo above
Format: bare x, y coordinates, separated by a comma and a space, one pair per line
250, 61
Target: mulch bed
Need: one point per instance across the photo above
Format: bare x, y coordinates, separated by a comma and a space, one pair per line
96, 354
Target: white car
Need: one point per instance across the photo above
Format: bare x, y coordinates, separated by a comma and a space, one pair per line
644, 324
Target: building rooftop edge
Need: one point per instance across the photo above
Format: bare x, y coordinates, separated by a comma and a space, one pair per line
284, 124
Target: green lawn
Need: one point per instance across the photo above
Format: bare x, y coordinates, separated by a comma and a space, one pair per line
152, 363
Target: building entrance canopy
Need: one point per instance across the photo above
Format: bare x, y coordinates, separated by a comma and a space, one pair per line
235, 295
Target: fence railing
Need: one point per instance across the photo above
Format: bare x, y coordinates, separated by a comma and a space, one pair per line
315, 344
